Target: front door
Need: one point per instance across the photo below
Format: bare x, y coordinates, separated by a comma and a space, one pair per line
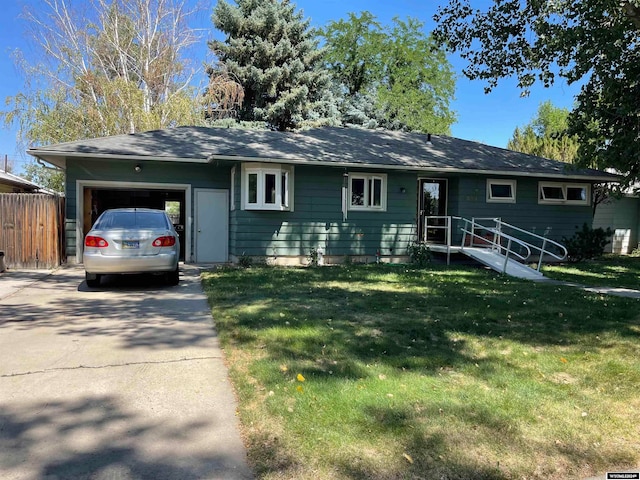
432, 201
212, 225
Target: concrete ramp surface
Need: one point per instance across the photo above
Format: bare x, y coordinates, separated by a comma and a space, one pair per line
496, 261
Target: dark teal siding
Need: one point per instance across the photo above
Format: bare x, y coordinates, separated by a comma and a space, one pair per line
195, 175
553, 221
317, 220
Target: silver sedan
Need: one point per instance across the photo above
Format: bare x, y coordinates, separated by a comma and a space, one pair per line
131, 240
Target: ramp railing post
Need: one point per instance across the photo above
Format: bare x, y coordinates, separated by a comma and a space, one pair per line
506, 256
544, 244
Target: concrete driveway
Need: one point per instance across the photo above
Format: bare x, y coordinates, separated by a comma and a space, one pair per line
122, 382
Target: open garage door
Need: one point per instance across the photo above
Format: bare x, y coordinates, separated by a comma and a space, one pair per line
98, 199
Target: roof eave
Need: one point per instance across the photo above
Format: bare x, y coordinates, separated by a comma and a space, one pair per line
59, 158
591, 178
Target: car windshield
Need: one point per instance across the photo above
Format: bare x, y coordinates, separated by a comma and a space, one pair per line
131, 220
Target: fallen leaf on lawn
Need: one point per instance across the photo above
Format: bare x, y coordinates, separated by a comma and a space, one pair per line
408, 457
563, 360
300, 389
300, 378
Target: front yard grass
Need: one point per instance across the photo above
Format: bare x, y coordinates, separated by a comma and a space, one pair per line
386, 372
608, 271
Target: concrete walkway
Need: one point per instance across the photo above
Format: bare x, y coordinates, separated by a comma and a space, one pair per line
122, 382
615, 291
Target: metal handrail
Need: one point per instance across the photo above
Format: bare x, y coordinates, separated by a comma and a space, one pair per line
496, 242
498, 235
447, 226
543, 250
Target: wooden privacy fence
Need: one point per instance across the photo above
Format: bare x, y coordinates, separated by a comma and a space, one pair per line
32, 230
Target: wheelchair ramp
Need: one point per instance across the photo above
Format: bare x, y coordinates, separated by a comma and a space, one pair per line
495, 260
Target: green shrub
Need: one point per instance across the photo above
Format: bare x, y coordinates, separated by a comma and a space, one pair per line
313, 257
587, 243
245, 261
419, 254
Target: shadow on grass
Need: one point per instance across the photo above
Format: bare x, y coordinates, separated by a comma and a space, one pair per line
404, 318
332, 324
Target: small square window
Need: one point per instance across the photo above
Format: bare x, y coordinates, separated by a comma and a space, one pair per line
266, 187
552, 193
566, 194
367, 192
501, 191
577, 194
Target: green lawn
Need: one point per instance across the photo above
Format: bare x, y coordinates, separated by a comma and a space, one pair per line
608, 271
385, 372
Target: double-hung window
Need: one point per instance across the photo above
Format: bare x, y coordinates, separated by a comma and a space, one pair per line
501, 191
564, 193
367, 191
267, 187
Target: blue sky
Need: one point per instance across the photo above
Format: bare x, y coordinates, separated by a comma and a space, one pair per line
489, 119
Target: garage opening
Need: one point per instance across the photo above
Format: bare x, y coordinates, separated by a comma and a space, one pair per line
97, 200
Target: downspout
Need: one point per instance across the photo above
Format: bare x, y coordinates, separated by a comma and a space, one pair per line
48, 167
345, 194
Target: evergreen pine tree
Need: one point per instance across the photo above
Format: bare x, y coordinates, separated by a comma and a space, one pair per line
272, 52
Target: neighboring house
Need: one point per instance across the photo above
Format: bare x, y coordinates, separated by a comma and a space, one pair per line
351, 192
622, 215
10, 183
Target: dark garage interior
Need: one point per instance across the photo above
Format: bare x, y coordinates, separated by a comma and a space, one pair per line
97, 200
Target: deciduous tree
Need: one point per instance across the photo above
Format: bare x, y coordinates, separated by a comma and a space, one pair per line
595, 42
547, 135
397, 73
107, 67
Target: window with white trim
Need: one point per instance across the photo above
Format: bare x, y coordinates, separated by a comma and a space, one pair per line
367, 191
501, 191
267, 187
564, 193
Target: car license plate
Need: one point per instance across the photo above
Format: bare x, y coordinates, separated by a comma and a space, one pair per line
130, 244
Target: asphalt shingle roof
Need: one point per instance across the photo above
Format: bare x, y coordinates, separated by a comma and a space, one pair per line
324, 146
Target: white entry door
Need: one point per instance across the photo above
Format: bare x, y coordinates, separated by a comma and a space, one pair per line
212, 225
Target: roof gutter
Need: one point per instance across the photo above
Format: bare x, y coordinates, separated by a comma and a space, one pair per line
51, 153
55, 168
39, 153
593, 178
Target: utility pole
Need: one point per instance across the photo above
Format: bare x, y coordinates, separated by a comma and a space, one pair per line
6, 162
